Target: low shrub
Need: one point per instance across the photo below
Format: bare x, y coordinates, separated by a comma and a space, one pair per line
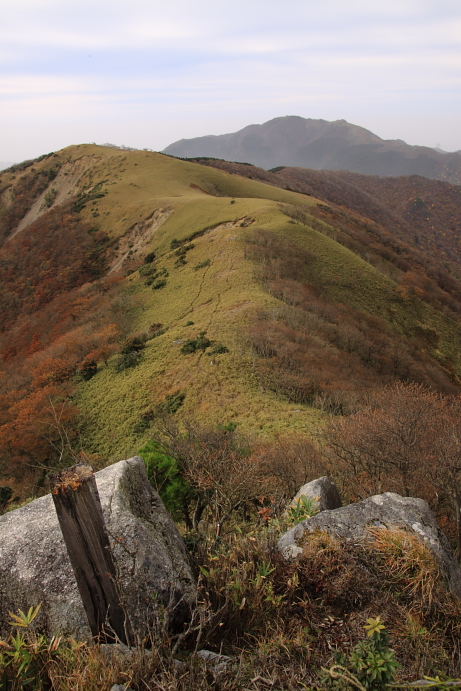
6, 494
134, 344
194, 344
128, 360
202, 265
218, 349
159, 283
163, 473
156, 329
370, 666
88, 369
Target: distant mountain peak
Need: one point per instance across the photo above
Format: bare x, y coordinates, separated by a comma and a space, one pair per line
292, 140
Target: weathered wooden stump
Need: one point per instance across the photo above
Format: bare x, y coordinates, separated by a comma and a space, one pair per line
79, 512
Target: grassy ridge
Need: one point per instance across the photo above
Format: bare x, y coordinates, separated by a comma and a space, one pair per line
221, 299
216, 209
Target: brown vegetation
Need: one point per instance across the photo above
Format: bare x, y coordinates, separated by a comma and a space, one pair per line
322, 353
407, 440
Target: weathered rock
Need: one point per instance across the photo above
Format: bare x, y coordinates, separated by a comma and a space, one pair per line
150, 556
323, 491
387, 510
119, 652
218, 662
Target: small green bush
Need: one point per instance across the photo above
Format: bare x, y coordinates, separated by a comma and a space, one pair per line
128, 360
218, 349
202, 265
164, 475
156, 329
49, 198
88, 369
194, 344
371, 665
149, 258
147, 270
160, 283
134, 344
172, 403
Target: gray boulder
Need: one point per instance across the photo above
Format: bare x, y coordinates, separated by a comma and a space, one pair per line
387, 510
217, 662
324, 493
150, 557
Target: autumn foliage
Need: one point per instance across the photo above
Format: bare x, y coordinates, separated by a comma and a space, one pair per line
58, 253
406, 440
60, 317
318, 352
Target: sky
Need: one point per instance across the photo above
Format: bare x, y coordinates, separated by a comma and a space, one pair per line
145, 73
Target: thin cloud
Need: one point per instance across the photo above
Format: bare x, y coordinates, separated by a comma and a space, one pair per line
185, 67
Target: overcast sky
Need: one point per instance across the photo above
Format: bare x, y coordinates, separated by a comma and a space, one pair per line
145, 73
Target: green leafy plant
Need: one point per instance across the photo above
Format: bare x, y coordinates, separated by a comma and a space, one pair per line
164, 475
370, 666
301, 509
27, 657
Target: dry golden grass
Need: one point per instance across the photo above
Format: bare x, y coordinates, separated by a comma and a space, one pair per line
406, 563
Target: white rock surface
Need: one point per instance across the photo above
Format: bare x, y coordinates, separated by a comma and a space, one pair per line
350, 523
150, 556
323, 491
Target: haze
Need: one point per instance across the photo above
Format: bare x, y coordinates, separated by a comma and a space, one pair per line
146, 73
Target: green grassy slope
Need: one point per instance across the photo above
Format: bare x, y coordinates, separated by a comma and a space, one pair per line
217, 209
221, 299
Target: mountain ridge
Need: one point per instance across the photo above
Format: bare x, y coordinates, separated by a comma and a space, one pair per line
322, 145
252, 303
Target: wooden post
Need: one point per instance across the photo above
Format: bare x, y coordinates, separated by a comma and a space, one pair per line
79, 511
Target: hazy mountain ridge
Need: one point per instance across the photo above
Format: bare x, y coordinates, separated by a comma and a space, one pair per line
322, 145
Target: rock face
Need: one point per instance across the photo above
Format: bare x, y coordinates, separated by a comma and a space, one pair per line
387, 510
150, 556
323, 491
